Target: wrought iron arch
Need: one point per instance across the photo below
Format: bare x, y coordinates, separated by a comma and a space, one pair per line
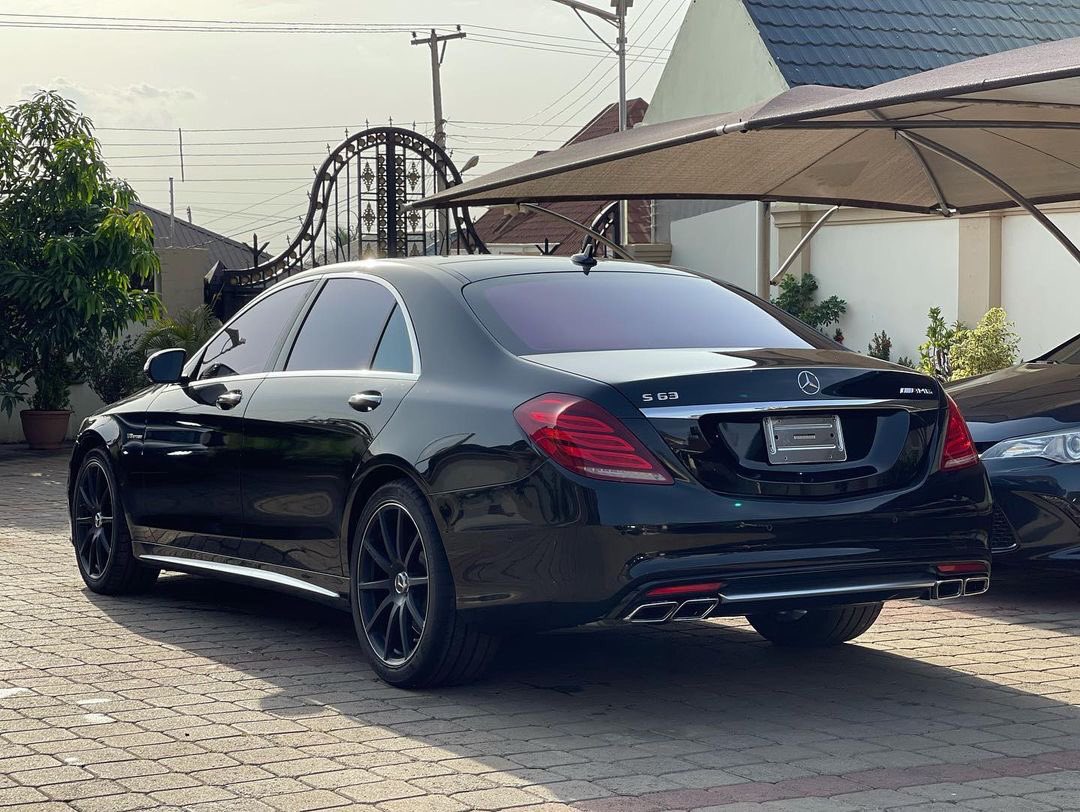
358, 208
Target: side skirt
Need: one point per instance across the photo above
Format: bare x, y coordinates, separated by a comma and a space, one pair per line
328, 589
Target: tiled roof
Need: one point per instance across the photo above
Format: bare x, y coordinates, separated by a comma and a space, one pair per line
496, 227
860, 43
229, 252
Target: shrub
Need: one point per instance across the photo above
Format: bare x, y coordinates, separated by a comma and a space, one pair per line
991, 345
799, 298
189, 330
115, 370
935, 354
880, 346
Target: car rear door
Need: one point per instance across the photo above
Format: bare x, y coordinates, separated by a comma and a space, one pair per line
185, 491
309, 427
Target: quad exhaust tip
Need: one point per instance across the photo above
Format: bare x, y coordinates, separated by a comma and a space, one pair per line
700, 608
664, 611
953, 588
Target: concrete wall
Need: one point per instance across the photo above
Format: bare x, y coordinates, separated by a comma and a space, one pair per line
716, 244
718, 63
892, 268
181, 288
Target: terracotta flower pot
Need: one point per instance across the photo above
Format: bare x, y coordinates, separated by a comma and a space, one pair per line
45, 430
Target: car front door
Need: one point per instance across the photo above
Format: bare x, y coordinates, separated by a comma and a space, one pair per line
309, 425
186, 488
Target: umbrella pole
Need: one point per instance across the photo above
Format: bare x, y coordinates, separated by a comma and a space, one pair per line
994, 180
805, 241
620, 252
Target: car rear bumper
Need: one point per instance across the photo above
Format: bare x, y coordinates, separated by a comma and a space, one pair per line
784, 591
553, 550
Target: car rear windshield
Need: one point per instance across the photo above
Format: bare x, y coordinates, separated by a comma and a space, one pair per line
573, 312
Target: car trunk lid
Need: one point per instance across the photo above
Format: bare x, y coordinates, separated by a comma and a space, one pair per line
712, 408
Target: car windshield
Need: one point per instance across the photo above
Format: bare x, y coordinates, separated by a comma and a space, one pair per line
1068, 353
574, 312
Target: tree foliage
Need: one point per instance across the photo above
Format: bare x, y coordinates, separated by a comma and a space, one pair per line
935, 354
188, 329
798, 296
114, 370
954, 351
990, 345
72, 254
880, 346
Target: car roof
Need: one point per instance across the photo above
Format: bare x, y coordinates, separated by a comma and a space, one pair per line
476, 267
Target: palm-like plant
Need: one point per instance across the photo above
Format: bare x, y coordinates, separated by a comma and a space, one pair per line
188, 329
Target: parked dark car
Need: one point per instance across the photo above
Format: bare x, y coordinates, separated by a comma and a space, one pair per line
461, 448
1026, 424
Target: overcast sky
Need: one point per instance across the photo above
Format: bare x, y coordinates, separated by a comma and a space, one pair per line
199, 80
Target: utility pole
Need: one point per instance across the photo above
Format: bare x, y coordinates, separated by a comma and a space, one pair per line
172, 212
616, 18
434, 41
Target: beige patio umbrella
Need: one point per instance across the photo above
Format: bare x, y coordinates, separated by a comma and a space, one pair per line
990, 133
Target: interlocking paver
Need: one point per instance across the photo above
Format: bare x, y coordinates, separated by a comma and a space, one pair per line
204, 696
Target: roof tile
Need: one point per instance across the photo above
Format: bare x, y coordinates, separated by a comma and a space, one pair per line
860, 43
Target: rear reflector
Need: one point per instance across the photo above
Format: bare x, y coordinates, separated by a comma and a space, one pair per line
959, 449
684, 589
586, 439
962, 568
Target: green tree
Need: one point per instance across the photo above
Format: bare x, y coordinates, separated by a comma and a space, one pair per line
188, 329
798, 296
935, 354
880, 346
72, 254
990, 345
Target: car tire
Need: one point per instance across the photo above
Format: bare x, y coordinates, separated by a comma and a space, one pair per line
816, 628
99, 532
443, 649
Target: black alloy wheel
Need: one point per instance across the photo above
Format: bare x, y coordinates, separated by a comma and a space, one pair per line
393, 583
99, 532
94, 519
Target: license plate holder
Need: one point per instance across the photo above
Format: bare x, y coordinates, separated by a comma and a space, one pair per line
805, 440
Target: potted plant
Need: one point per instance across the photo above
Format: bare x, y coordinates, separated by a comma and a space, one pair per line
74, 260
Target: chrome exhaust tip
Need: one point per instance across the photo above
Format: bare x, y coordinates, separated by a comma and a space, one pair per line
948, 590
697, 609
976, 586
652, 612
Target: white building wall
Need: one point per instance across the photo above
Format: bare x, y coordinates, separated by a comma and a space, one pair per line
890, 274
715, 244
1040, 282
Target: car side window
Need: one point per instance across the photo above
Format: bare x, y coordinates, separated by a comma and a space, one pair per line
343, 327
395, 348
246, 343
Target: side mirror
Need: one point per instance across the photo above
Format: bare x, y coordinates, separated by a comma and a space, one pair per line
166, 366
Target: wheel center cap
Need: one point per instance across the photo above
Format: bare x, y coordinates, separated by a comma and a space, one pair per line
98, 521
401, 583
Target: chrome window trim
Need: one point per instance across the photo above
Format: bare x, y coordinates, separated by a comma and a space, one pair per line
400, 303
340, 373
246, 572
197, 358
697, 412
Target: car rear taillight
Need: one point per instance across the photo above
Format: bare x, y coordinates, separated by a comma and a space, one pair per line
959, 450
586, 439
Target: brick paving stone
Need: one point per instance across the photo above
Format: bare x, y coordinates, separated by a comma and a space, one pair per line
203, 696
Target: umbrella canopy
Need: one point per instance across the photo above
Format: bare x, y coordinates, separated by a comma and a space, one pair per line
985, 134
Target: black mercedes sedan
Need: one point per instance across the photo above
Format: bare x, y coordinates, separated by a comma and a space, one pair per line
1026, 424
455, 449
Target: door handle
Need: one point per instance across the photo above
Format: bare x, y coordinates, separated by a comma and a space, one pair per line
229, 400
365, 401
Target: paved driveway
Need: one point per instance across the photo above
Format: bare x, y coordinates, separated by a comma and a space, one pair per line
210, 696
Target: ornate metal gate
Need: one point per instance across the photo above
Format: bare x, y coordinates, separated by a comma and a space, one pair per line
358, 210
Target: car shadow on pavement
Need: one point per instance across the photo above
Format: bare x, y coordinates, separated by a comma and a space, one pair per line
611, 710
